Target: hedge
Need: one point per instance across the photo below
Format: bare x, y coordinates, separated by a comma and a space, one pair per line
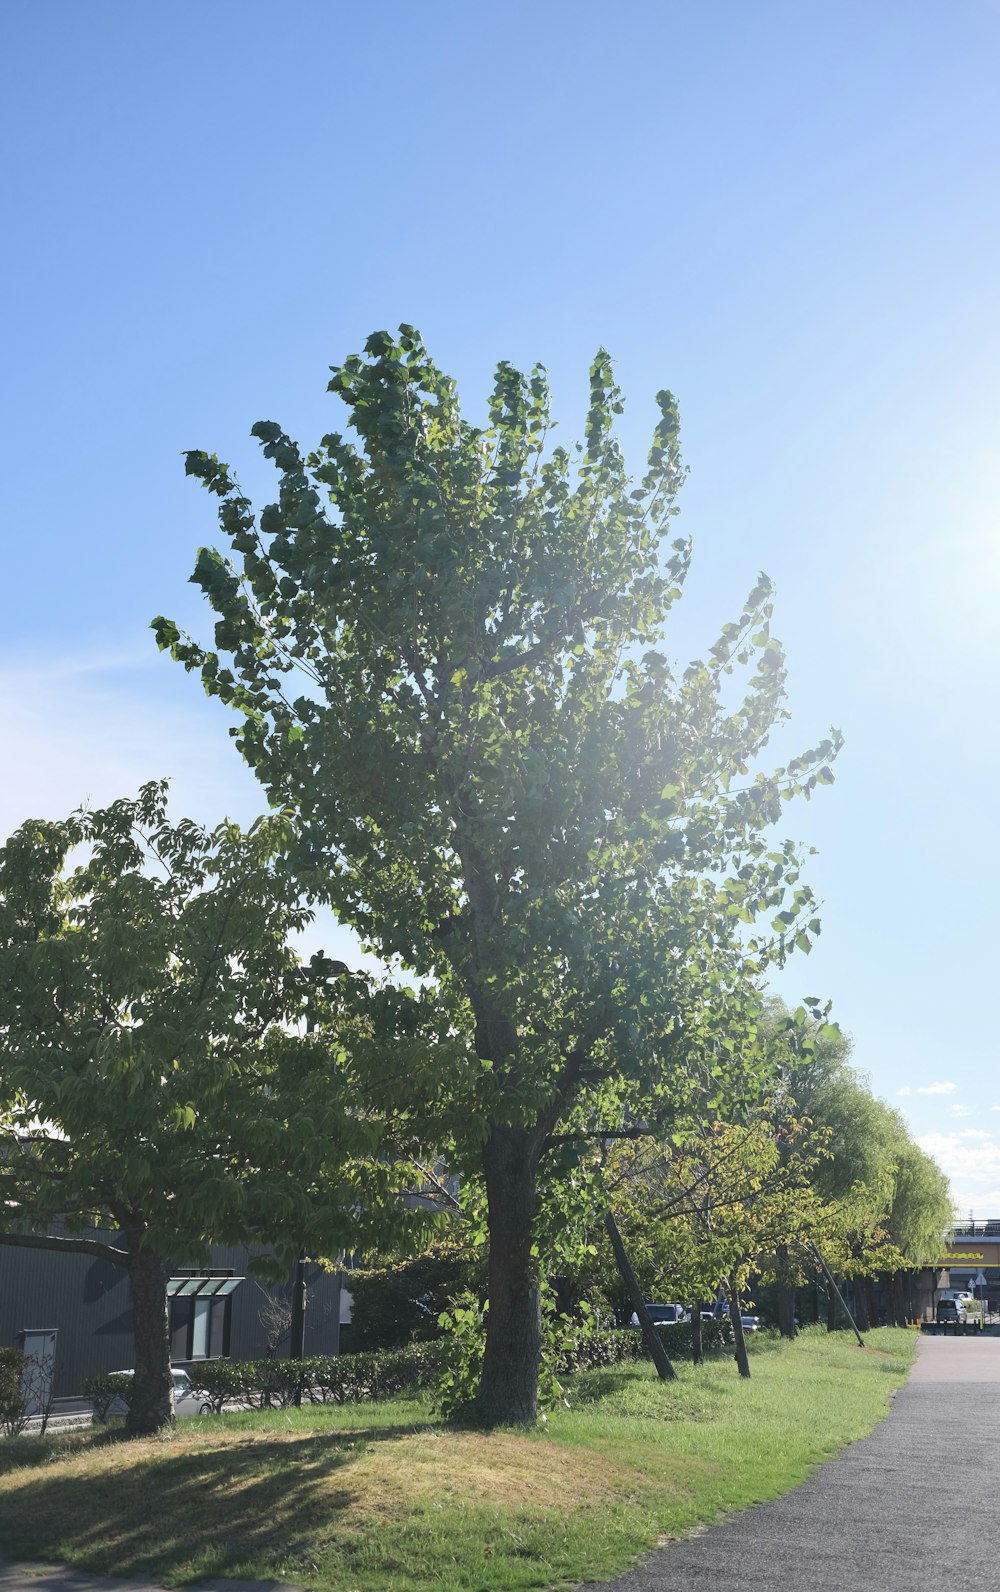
379, 1374
383, 1373
621, 1345
323, 1378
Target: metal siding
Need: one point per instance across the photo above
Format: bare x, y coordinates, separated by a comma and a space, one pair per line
87, 1301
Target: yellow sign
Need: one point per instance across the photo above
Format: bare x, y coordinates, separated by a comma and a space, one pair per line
960, 1255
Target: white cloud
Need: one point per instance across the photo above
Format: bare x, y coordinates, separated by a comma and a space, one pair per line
91, 729
937, 1088
961, 1111
86, 730
905, 1090
970, 1159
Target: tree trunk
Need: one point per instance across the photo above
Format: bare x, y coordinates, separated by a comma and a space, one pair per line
889, 1283
739, 1336
831, 1307
297, 1325
508, 1386
785, 1294
785, 1305
871, 1304
861, 1305
151, 1400
697, 1351
655, 1347
898, 1300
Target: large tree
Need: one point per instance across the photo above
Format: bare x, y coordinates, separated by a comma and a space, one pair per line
888, 1203
157, 1079
444, 643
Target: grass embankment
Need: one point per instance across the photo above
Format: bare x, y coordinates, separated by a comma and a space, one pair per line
381, 1498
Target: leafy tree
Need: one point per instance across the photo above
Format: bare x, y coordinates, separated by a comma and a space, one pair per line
723, 1205
918, 1219
833, 1170
451, 671
921, 1212
858, 1180
888, 1202
862, 1130
155, 1080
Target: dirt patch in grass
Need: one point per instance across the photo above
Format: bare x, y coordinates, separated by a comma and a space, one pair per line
504, 1469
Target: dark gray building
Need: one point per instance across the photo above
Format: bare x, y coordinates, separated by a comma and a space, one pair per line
221, 1311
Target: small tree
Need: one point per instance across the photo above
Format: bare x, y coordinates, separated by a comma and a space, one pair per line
453, 675
155, 1079
15, 1372
729, 1200
275, 1317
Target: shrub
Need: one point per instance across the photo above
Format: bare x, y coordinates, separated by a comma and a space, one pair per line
716, 1333
399, 1304
221, 1382
105, 1390
13, 1364
619, 1345
379, 1374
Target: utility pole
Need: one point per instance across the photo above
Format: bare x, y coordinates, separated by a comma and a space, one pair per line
297, 1334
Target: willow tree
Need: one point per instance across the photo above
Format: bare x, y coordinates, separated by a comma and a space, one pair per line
445, 643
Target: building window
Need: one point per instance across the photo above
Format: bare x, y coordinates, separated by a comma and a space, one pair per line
200, 1312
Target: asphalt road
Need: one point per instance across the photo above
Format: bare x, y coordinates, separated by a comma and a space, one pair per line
60, 1578
913, 1506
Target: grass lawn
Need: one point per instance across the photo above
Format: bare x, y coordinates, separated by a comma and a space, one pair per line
381, 1498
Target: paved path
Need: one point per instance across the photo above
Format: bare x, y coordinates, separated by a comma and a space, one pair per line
59, 1578
905, 1509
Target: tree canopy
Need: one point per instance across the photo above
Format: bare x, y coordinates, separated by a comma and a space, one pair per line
157, 1079
444, 641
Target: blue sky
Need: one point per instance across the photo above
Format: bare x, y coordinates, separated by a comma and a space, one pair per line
787, 213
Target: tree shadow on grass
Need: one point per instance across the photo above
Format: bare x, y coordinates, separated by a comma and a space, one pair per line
590, 1387
241, 1507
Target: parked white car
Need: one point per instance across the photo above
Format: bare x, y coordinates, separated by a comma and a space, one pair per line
185, 1399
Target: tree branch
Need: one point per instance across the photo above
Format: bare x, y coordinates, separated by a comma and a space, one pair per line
73, 1246
644, 1131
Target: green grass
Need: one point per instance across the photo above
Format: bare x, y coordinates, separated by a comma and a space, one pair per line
382, 1498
